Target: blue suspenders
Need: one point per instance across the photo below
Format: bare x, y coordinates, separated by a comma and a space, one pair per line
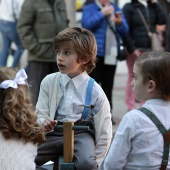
87, 106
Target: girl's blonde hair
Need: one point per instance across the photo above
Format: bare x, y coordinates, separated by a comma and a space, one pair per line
155, 65
17, 116
84, 44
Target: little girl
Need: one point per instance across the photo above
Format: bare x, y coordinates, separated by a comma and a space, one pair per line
138, 143
19, 131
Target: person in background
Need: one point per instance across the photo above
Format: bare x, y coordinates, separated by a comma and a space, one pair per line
98, 17
138, 39
8, 28
167, 47
39, 22
19, 132
166, 5
71, 95
138, 143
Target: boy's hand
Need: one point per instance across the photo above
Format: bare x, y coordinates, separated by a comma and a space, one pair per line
49, 124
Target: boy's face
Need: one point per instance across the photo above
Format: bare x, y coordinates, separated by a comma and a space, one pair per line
140, 89
67, 60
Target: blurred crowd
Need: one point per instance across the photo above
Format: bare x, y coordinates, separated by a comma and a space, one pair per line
27, 31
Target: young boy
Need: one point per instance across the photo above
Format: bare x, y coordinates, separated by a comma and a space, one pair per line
139, 143
62, 98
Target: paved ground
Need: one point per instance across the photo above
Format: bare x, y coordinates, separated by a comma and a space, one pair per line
119, 106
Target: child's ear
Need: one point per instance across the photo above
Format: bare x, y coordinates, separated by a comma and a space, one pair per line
152, 86
85, 60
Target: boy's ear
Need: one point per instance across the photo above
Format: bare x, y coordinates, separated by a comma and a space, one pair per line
152, 86
85, 60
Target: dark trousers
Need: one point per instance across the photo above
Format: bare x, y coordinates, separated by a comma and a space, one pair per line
84, 150
104, 75
37, 71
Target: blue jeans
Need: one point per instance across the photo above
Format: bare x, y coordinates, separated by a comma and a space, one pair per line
9, 35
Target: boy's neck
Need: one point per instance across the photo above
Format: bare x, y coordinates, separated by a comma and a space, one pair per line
155, 95
73, 76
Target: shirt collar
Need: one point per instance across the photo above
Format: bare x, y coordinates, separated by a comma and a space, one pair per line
77, 81
65, 79
160, 102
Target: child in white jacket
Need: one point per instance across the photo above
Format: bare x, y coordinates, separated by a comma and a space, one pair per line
63, 98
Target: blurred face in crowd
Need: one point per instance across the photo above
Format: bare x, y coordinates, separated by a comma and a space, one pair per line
104, 2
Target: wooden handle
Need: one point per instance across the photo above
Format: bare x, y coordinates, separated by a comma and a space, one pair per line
68, 141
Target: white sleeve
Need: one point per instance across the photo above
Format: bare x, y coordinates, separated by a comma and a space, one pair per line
121, 145
42, 106
103, 130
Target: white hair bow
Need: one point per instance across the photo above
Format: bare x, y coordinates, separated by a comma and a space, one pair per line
20, 78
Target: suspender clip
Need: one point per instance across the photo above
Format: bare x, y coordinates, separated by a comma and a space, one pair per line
88, 106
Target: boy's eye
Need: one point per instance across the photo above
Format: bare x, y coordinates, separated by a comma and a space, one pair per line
57, 52
64, 53
67, 52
